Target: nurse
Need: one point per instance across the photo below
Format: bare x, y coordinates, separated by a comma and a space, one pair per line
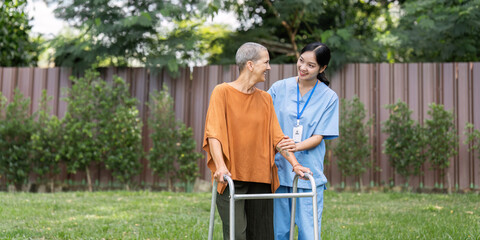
307, 110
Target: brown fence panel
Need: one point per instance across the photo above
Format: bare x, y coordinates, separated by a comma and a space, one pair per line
456, 85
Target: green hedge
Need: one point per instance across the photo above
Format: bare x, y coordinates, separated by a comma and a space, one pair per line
101, 125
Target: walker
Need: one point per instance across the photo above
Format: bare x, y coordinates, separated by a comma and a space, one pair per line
294, 195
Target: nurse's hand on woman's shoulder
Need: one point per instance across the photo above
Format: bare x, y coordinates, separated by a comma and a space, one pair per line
287, 144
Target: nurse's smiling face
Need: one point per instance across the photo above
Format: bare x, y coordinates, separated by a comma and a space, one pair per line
307, 66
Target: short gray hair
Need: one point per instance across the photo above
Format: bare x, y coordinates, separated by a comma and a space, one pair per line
249, 51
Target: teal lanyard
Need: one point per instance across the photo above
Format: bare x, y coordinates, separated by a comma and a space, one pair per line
299, 114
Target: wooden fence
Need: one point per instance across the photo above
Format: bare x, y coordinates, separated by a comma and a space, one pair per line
456, 85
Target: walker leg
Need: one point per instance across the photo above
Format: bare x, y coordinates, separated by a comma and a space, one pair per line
231, 187
294, 207
315, 213
212, 211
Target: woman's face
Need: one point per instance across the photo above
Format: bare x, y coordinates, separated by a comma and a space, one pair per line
307, 66
261, 66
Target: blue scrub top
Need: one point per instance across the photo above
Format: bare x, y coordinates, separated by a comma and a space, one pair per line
319, 118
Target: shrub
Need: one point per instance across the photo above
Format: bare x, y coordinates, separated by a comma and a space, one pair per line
46, 143
120, 130
442, 138
405, 142
473, 141
16, 126
164, 136
352, 148
102, 125
173, 153
80, 148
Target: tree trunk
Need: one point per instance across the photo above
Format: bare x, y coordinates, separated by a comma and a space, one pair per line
169, 184
449, 184
360, 180
52, 185
89, 179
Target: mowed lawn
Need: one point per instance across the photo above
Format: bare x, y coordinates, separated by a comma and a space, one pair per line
164, 215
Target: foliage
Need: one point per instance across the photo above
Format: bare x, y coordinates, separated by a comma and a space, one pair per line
353, 149
438, 31
16, 126
357, 31
405, 141
16, 47
47, 140
173, 152
80, 148
102, 125
473, 138
442, 137
284, 27
124, 32
119, 129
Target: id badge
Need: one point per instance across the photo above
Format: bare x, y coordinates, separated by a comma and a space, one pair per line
297, 133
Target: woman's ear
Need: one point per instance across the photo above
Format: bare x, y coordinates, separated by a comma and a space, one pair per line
250, 66
322, 69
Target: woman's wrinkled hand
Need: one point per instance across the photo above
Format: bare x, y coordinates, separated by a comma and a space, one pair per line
218, 175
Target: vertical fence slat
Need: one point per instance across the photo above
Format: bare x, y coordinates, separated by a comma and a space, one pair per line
463, 105
351, 89
65, 84
448, 99
476, 119
384, 88
349, 75
24, 84
9, 82
199, 108
39, 84
332, 172
428, 91
52, 89
367, 96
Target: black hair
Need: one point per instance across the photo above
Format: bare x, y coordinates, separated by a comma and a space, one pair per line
322, 54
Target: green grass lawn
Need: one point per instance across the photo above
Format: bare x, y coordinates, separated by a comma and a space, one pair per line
163, 215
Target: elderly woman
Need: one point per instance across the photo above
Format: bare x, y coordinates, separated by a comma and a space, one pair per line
241, 137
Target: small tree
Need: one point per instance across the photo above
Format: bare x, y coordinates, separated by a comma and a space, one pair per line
80, 147
353, 149
473, 141
16, 126
187, 157
173, 153
47, 141
120, 129
102, 124
164, 136
405, 143
442, 139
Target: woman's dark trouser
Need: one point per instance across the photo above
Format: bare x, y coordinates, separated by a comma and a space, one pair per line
253, 218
